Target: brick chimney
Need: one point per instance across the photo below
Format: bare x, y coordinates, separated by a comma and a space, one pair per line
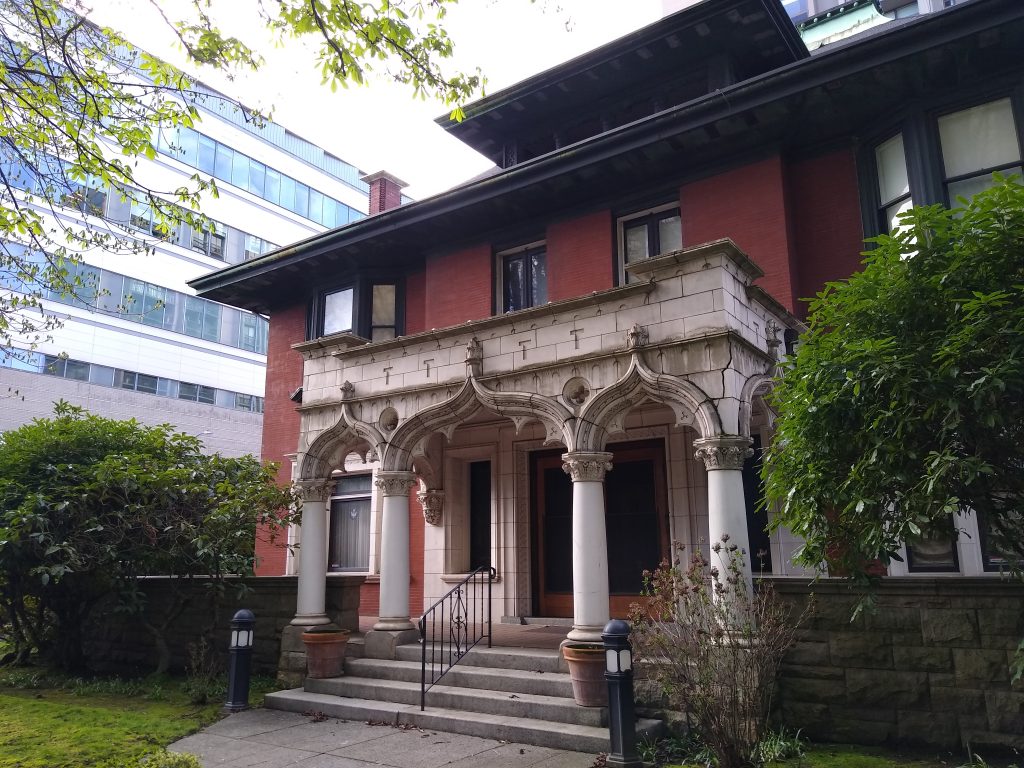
385, 191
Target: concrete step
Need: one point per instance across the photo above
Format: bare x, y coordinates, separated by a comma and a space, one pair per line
551, 708
541, 733
462, 676
526, 659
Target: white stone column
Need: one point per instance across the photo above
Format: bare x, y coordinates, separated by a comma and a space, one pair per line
589, 544
723, 458
310, 607
394, 550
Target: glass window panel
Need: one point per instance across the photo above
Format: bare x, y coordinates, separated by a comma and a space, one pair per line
272, 186
146, 383
77, 370
670, 234
207, 395
893, 212
353, 484
211, 322
330, 217
338, 311
514, 275
240, 170
538, 278
382, 333
288, 192
316, 205
153, 306
968, 188
125, 379
217, 237
188, 146
257, 177
187, 391
225, 158
253, 247
141, 216
258, 405
101, 375
225, 399
53, 365
194, 316
262, 329
207, 155
977, 138
932, 553
891, 164
164, 387
243, 402
230, 323
383, 312
301, 199
636, 242
247, 332
349, 548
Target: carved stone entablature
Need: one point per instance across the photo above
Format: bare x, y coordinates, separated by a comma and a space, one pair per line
726, 452
432, 502
637, 337
395, 483
318, 489
587, 466
474, 357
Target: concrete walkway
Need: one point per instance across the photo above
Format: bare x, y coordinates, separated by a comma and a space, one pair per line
264, 738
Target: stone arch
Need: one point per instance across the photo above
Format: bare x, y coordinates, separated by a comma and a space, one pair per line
330, 448
410, 439
754, 389
604, 415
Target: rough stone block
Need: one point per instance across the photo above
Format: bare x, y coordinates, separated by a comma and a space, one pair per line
922, 659
873, 714
866, 687
893, 619
861, 732
860, 649
812, 691
975, 668
382, 644
933, 729
799, 714
807, 653
1007, 620
949, 627
956, 700
811, 673
1005, 711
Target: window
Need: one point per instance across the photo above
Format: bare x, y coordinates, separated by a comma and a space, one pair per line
338, 311
941, 157
650, 233
383, 313
479, 514
976, 143
524, 277
933, 553
349, 548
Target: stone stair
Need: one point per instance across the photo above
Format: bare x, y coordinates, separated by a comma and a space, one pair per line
520, 695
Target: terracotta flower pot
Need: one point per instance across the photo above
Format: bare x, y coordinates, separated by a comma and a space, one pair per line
325, 652
586, 670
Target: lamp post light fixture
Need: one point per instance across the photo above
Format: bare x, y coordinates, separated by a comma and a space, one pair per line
618, 671
243, 625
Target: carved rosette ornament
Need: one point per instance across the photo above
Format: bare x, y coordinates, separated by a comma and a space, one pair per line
432, 502
394, 483
587, 467
314, 490
727, 452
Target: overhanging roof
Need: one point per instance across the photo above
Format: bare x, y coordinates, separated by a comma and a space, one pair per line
825, 98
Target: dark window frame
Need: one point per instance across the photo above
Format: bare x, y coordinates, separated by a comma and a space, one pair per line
525, 253
645, 216
362, 305
954, 568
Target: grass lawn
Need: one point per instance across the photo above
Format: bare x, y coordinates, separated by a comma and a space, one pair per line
48, 722
852, 756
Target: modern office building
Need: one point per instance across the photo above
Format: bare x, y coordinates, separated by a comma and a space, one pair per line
149, 348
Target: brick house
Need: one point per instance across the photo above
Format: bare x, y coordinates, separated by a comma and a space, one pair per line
611, 301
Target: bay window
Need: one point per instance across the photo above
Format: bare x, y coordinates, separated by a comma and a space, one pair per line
365, 307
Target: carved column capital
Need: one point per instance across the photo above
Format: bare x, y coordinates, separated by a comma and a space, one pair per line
432, 502
317, 489
582, 466
394, 483
725, 452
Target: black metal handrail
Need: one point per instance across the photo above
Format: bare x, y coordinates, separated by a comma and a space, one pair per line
464, 607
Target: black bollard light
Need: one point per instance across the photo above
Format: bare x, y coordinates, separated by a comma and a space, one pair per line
618, 671
240, 660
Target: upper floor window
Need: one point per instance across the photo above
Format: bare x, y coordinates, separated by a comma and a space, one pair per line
523, 273
942, 157
976, 143
367, 307
649, 233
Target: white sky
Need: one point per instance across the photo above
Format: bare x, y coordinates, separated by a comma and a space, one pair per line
381, 126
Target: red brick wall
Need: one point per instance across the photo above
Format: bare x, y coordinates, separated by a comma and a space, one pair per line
827, 227
280, 419
580, 253
458, 287
746, 204
415, 301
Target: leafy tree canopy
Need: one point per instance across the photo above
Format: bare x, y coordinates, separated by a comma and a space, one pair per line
87, 504
903, 407
78, 105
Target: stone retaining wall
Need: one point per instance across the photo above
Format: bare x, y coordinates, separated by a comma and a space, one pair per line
931, 666
119, 643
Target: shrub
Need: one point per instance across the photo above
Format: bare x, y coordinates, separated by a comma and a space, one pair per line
165, 759
714, 648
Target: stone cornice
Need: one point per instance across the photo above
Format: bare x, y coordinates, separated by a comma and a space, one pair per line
728, 335
760, 295
724, 247
343, 340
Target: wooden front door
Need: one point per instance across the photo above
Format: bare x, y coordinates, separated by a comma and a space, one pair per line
636, 522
